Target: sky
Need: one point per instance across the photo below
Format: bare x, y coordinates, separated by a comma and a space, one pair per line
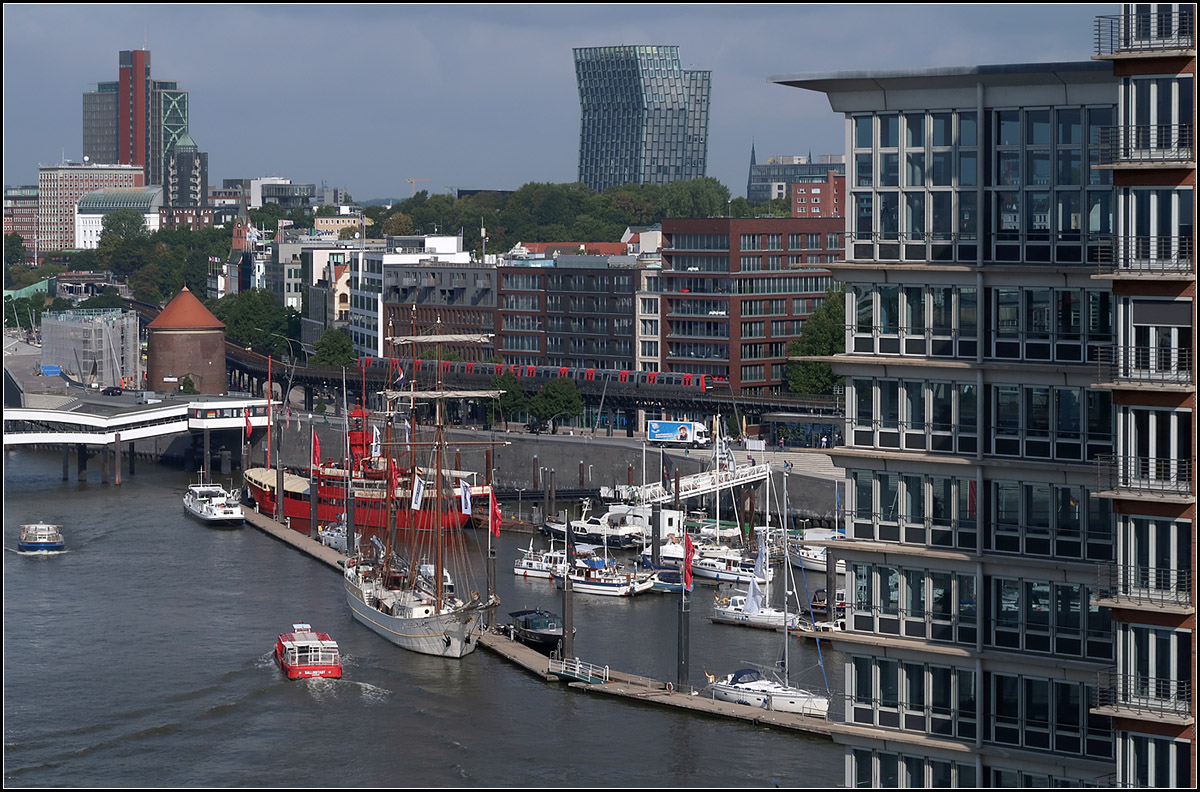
366, 97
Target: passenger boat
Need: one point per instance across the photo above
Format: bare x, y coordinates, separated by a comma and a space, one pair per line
538, 629
364, 475
303, 653
40, 538
414, 588
752, 688
212, 505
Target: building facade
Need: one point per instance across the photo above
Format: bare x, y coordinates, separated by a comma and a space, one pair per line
775, 177
736, 291
644, 117
978, 632
21, 214
135, 120
1149, 479
91, 209
61, 186
185, 183
97, 346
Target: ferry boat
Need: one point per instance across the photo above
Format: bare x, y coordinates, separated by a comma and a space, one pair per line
40, 538
365, 477
212, 505
303, 653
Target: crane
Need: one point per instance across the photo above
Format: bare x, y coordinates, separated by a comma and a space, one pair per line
413, 182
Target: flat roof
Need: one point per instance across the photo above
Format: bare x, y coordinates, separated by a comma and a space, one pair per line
1004, 74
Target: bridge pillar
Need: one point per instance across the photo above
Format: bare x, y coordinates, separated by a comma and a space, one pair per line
226, 461
308, 397
66, 460
104, 454
117, 459
132, 454
81, 462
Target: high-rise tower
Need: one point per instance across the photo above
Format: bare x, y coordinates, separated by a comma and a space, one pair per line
644, 117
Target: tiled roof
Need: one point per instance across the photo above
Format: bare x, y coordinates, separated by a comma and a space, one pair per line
186, 312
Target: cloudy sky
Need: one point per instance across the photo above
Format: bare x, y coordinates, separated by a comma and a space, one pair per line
368, 96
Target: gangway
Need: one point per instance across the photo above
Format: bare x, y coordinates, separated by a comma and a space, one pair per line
695, 485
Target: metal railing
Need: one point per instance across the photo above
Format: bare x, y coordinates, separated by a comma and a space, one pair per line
1145, 143
1142, 584
1148, 695
577, 669
1145, 474
1169, 366
1150, 31
1146, 254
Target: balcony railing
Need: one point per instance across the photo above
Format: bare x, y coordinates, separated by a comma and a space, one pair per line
1149, 31
1145, 144
1145, 585
1148, 695
1156, 254
1145, 474
1164, 366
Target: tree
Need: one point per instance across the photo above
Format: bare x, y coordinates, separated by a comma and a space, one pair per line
14, 249
558, 397
512, 401
398, 224
256, 319
704, 197
334, 348
126, 224
823, 334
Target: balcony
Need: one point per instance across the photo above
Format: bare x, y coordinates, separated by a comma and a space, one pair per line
1133, 695
1156, 255
1147, 33
1127, 585
1155, 145
1130, 476
1123, 365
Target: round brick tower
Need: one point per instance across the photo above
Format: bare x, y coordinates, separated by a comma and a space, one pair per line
186, 341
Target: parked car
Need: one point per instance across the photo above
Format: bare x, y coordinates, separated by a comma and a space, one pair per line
112, 391
537, 426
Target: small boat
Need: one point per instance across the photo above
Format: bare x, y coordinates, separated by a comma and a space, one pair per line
538, 629
820, 602
668, 581
751, 688
735, 610
820, 630
600, 576
619, 527
333, 536
303, 653
729, 567
212, 505
40, 538
813, 558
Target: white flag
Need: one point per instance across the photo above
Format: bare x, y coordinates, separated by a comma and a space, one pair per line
375, 450
418, 494
464, 491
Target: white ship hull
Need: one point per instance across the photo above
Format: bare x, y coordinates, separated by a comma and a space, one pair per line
452, 633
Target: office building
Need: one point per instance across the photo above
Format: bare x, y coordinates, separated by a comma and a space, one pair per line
135, 120
186, 176
61, 186
977, 629
644, 117
1150, 476
775, 177
91, 209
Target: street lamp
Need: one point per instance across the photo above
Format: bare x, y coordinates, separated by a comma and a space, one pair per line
520, 501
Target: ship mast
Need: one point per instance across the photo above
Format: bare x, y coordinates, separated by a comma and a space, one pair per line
438, 567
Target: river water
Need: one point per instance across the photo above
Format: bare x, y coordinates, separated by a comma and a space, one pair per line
141, 656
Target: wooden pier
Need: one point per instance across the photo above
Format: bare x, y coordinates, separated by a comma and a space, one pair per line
614, 683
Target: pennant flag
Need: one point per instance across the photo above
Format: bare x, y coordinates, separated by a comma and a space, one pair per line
375, 448
316, 449
689, 552
418, 493
464, 493
495, 515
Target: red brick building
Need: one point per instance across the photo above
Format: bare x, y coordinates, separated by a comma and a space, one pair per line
186, 341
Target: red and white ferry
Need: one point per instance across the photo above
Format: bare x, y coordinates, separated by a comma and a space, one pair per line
367, 477
303, 653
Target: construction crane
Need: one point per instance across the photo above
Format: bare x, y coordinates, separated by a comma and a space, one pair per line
413, 182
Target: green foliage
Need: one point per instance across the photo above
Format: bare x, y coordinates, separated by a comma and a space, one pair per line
558, 398
187, 386
253, 318
109, 298
823, 334
14, 249
320, 407
127, 224
398, 224
705, 197
334, 348
511, 402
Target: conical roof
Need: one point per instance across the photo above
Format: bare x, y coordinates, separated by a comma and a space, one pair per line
186, 312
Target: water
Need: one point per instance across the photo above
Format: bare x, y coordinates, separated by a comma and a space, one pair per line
141, 656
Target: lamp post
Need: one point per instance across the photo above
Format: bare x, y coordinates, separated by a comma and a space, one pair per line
520, 502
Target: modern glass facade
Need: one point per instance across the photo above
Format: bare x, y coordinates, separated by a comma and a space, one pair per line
644, 117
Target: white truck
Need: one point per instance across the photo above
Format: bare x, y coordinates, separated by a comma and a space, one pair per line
688, 433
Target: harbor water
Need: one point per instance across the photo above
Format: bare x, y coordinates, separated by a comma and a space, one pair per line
141, 656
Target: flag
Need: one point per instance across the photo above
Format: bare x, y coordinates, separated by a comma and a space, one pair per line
316, 449
495, 515
689, 552
666, 473
971, 498
407, 431
418, 493
399, 379
249, 428
375, 449
289, 417
464, 495
760, 563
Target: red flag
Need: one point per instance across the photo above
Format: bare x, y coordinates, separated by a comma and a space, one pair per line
971, 498
249, 428
689, 552
495, 515
316, 449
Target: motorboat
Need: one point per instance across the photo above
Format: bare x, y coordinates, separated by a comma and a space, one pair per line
667, 581
303, 653
814, 558
538, 629
751, 688
40, 538
212, 505
819, 606
599, 576
619, 527
729, 566
819, 630
333, 536
544, 563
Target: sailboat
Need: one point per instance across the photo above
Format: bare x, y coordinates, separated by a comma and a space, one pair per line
767, 687
753, 608
416, 589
